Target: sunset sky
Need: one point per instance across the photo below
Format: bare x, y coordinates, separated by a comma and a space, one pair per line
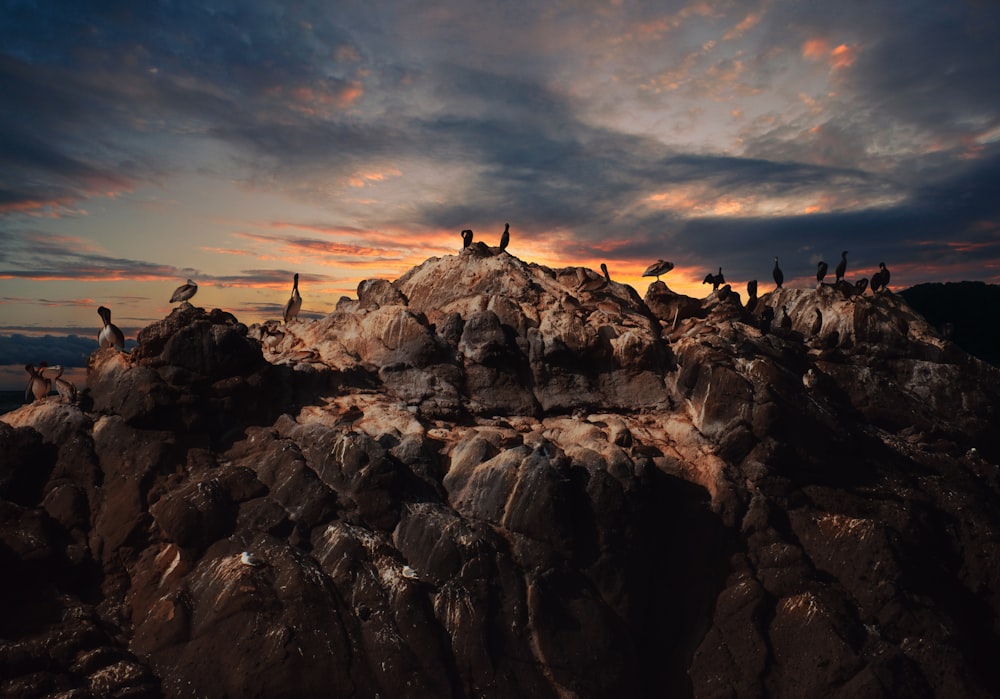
238, 142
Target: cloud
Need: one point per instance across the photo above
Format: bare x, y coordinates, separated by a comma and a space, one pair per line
67, 350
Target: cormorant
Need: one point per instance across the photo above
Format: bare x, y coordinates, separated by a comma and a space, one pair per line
110, 335
466, 237
294, 304
778, 275
184, 292
505, 237
657, 268
841, 266
604, 268
821, 271
860, 286
786, 321
880, 280
714, 279
817, 323
766, 318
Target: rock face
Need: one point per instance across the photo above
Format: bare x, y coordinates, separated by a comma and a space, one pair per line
490, 478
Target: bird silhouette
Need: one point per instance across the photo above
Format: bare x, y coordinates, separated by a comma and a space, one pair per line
657, 268
294, 304
184, 292
779, 276
841, 266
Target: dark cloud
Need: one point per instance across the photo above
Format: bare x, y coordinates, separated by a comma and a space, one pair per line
901, 160
67, 350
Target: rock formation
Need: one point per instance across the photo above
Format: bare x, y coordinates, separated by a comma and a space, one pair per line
482, 481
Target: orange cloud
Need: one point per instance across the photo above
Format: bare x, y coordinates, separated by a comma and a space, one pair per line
836, 57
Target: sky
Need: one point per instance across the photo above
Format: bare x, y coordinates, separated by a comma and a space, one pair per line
238, 142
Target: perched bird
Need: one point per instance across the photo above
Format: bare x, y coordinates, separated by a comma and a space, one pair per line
604, 268
466, 237
880, 280
657, 268
841, 266
505, 237
821, 271
786, 320
817, 323
860, 286
714, 279
64, 387
294, 303
110, 335
184, 292
38, 384
751, 293
766, 318
779, 276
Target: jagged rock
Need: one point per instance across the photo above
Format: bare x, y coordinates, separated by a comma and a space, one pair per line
490, 478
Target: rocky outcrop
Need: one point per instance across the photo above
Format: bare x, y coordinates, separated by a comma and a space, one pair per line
490, 478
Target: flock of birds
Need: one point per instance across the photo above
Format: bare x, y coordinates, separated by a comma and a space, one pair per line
110, 335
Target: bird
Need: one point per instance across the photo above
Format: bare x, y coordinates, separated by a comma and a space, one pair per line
38, 384
294, 303
778, 275
505, 237
860, 286
184, 292
880, 280
751, 293
817, 324
466, 237
604, 268
64, 387
110, 335
821, 271
657, 268
786, 320
841, 266
714, 279
766, 318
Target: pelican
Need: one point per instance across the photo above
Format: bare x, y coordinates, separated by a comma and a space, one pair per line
38, 385
64, 387
184, 292
751, 294
778, 275
110, 335
466, 237
842, 266
505, 237
294, 303
657, 268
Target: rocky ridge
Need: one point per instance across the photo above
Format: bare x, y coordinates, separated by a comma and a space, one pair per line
491, 478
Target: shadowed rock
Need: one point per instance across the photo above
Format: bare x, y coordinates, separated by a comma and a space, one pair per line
487, 478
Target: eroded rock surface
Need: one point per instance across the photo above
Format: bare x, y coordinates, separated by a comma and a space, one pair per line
494, 479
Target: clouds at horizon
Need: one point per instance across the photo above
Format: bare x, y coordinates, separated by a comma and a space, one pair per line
710, 133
